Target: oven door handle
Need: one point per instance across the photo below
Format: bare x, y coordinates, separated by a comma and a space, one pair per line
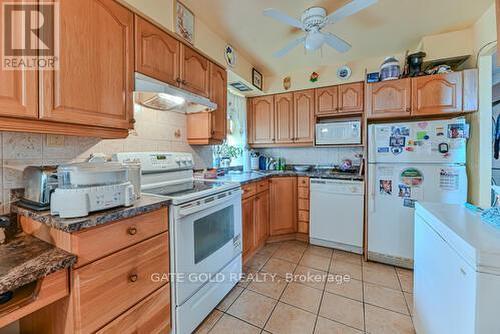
208, 202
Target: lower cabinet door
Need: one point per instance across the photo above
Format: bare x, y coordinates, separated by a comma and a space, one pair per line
106, 288
152, 315
261, 204
248, 224
283, 201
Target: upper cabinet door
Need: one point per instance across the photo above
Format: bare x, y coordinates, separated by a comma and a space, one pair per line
351, 97
327, 100
389, 98
218, 94
95, 79
157, 54
437, 94
195, 71
283, 115
304, 116
263, 120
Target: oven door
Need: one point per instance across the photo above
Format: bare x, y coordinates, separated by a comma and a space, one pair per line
207, 238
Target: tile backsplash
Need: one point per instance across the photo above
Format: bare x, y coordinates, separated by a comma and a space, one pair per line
154, 131
314, 155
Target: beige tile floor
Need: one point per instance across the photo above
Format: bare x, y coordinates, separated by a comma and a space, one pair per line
315, 290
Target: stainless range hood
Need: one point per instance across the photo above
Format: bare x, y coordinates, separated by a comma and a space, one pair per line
159, 95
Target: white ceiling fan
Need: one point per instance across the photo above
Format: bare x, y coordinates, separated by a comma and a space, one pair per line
312, 21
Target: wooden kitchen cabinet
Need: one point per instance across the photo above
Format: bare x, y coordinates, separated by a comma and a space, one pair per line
437, 94
95, 79
261, 124
283, 204
390, 98
284, 118
261, 211
304, 116
248, 227
351, 98
255, 217
157, 54
327, 100
303, 205
209, 128
194, 72
110, 286
18, 88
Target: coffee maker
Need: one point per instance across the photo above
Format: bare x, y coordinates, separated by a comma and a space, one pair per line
415, 61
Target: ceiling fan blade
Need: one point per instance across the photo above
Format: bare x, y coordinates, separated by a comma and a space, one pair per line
351, 8
336, 42
282, 17
290, 46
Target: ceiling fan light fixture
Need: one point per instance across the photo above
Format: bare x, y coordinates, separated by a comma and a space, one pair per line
314, 41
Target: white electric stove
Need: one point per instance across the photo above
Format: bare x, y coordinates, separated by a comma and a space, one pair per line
205, 233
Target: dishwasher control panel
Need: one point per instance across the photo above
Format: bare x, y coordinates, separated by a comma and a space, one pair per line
338, 186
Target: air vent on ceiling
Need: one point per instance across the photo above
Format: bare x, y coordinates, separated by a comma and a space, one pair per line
240, 86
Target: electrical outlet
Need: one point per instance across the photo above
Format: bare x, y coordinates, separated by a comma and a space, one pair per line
55, 141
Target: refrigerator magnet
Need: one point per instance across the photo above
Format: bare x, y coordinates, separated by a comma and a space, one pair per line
456, 131
443, 148
404, 191
396, 150
397, 141
409, 203
382, 149
385, 187
411, 177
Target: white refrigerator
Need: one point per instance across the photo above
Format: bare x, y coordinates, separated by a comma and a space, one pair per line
409, 162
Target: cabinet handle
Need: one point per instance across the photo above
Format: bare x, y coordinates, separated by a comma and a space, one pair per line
178, 80
408, 109
132, 231
133, 278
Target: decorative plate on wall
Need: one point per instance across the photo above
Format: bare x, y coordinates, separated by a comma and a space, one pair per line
230, 55
344, 72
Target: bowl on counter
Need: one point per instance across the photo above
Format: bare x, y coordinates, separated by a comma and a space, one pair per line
301, 168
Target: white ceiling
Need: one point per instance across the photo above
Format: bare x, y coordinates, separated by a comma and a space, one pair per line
387, 27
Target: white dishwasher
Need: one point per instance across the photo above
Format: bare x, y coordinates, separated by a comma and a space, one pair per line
336, 214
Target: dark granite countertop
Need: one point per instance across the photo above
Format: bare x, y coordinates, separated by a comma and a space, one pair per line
247, 177
145, 204
26, 259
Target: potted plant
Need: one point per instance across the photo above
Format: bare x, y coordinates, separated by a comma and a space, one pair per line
228, 152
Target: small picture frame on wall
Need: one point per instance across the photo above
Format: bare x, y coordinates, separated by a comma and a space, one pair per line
184, 21
257, 79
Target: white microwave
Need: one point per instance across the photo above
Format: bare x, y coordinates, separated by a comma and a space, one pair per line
338, 133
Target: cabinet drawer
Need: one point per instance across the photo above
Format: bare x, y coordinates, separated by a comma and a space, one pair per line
303, 204
303, 181
303, 216
106, 288
303, 227
103, 240
303, 193
262, 186
152, 315
249, 190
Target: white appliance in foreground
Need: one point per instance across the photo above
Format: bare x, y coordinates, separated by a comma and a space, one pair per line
409, 162
338, 132
205, 234
336, 214
457, 271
